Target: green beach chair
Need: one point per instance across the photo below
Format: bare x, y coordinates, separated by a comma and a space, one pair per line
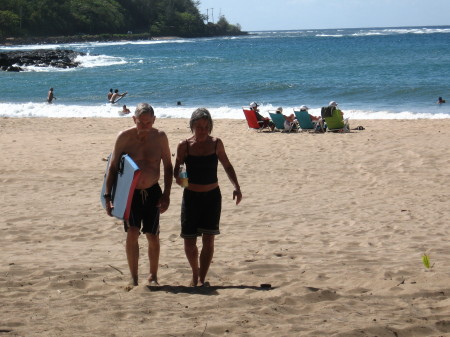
335, 122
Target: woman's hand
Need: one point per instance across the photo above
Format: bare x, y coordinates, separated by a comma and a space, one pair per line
238, 196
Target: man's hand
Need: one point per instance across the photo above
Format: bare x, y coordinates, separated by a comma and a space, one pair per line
109, 206
164, 203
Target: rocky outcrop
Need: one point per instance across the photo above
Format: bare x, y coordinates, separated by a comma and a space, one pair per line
15, 60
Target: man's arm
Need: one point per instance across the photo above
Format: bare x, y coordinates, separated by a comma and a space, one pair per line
112, 172
168, 172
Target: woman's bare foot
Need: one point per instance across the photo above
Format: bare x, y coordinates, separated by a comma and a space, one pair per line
152, 281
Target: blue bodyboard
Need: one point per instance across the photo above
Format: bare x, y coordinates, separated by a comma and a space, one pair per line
123, 189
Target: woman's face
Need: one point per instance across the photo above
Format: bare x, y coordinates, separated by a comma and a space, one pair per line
201, 129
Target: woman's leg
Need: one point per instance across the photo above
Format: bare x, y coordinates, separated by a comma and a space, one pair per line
191, 251
206, 256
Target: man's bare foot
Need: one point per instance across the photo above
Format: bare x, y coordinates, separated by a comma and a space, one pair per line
193, 283
131, 284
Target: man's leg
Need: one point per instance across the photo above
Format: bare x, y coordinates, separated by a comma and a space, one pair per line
191, 251
153, 256
206, 256
132, 249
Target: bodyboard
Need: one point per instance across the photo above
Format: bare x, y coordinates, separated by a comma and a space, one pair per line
123, 189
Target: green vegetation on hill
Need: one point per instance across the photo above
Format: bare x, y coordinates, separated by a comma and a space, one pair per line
44, 18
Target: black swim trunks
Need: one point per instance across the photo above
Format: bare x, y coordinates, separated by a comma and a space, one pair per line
200, 213
144, 211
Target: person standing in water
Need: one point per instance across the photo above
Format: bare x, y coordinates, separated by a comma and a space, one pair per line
50, 96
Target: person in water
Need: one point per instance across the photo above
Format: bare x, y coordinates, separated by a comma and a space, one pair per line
50, 96
148, 147
116, 95
124, 111
110, 94
440, 100
202, 200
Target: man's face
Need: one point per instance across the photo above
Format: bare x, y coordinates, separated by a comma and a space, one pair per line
144, 122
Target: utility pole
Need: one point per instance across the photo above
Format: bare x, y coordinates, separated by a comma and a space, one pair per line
212, 14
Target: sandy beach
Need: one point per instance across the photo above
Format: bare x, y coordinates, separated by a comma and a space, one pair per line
335, 223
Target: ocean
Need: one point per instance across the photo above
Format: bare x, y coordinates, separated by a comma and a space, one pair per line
373, 73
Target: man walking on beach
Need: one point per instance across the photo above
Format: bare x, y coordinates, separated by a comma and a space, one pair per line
147, 146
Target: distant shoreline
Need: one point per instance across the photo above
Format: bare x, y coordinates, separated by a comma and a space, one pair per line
82, 38
12, 41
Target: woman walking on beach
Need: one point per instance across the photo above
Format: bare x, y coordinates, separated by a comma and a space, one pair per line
202, 200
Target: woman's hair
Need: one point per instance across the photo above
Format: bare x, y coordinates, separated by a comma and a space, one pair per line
201, 113
142, 108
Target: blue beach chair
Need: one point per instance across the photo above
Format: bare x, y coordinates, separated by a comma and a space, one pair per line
305, 122
278, 120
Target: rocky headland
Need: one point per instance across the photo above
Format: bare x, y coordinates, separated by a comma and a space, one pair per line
61, 58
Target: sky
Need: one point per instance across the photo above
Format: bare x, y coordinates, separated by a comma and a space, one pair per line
256, 15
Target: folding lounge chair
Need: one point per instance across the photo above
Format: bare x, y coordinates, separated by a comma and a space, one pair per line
305, 122
333, 119
253, 122
278, 120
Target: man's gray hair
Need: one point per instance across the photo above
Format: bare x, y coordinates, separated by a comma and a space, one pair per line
143, 108
201, 113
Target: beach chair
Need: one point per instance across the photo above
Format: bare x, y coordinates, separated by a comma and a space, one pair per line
278, 120
333, 119
253, 122
305, 122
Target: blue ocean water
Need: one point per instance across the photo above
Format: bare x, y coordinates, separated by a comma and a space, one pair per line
371, 73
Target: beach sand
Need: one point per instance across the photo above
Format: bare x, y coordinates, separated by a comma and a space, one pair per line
335, 223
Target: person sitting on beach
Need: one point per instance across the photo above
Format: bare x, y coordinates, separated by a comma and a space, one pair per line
267, 122
317, 121
50, 96
116, 95
289, 121
440, 100
337, 116
110, 94
313, 118
148, 147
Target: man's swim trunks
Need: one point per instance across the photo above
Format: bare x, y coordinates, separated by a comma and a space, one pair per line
144, 211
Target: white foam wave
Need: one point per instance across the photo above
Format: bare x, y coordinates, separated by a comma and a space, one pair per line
329, 35
91, 61
56, 110
84, 45
86, 61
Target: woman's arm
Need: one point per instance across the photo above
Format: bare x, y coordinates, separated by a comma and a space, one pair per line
229, 169
179, 159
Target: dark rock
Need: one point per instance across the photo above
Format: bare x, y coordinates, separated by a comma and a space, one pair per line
60, 58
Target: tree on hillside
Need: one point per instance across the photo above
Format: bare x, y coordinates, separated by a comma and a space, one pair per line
72, 17
9, 24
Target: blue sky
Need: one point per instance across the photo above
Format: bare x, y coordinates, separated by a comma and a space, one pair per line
318, 14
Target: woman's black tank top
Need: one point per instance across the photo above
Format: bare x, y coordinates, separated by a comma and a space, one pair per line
202, 170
